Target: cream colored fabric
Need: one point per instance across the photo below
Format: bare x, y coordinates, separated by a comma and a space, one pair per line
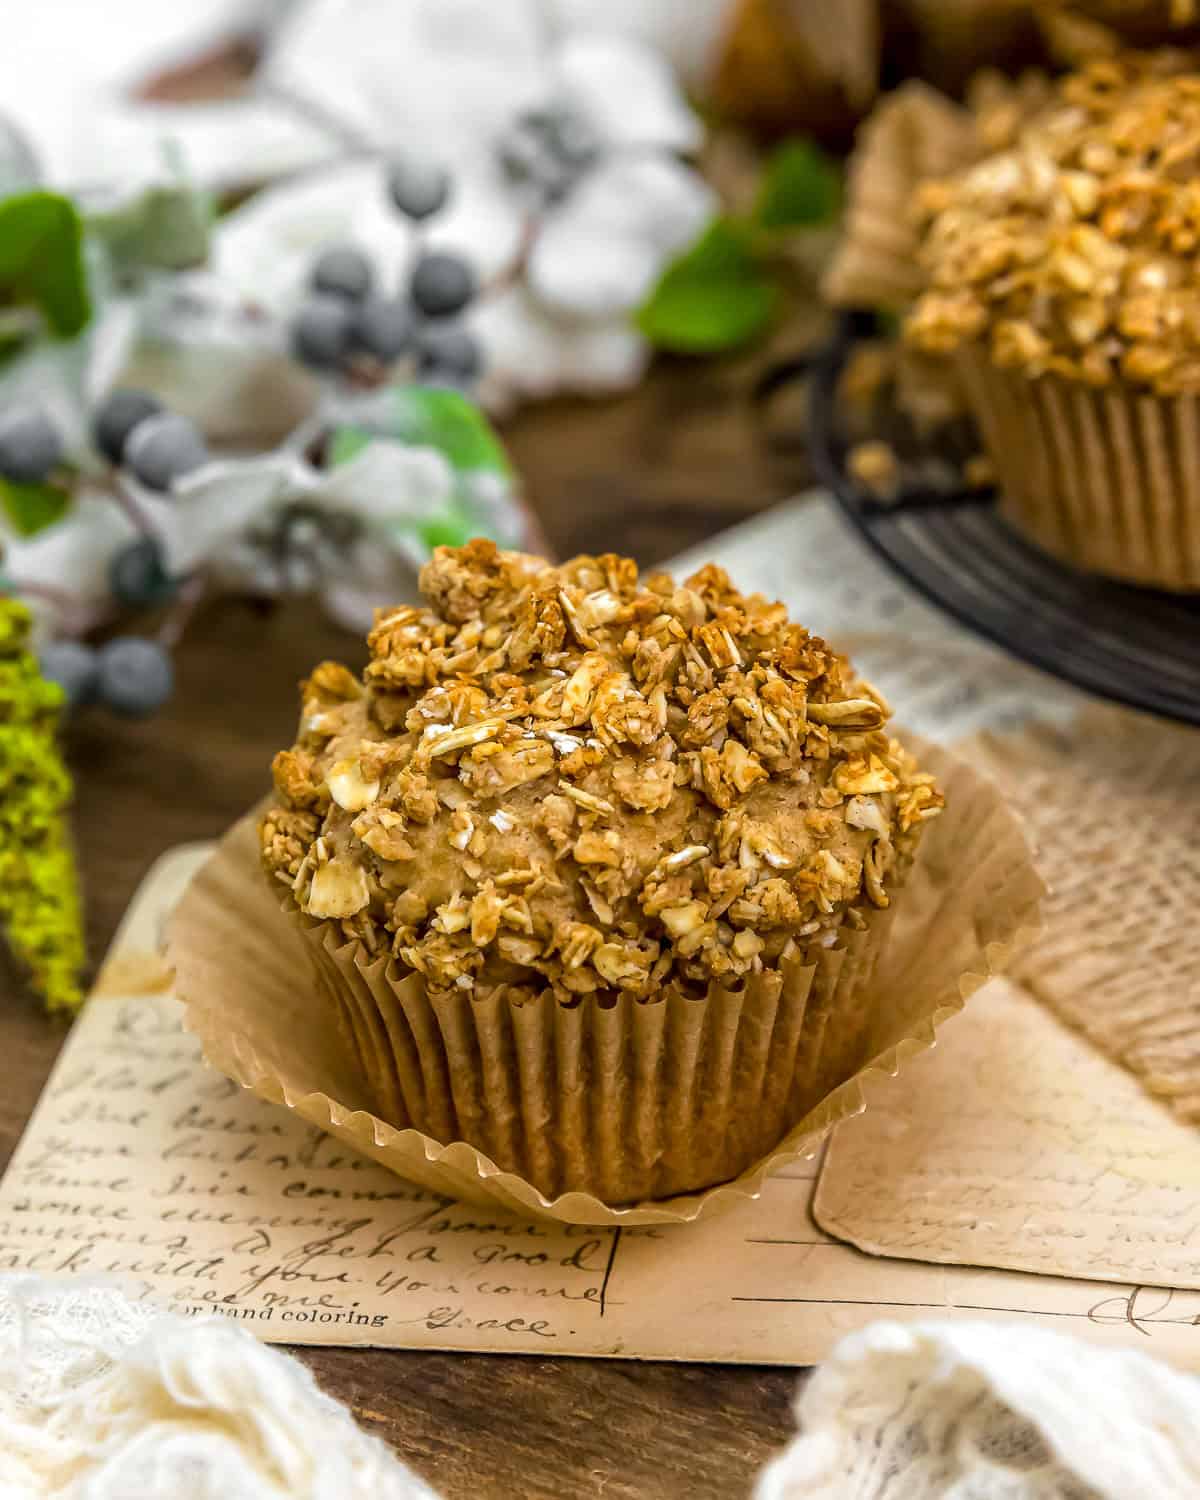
102, 1398
1118, 958
106, 1399
978, 1411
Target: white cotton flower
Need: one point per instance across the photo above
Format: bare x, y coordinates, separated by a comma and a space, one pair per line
70, 558
371, 578
533, 351
434, 75
687, 33
601, 253
386, 483
473, 71
226, 364
265, 249
625, 90
226, 144
211, 508
384, 487
449, 78
75, 63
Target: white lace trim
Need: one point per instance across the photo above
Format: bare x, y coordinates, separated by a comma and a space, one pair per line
976, 1411
105, 1399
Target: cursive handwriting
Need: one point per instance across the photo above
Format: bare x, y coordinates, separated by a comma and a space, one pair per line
140, 1163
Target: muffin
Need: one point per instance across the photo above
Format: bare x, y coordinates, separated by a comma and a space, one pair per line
596, 868
1062, 280
914, 134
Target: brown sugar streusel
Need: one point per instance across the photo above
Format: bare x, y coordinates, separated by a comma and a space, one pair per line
578, 778
1075, 251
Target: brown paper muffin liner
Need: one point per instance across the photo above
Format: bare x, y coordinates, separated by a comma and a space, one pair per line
625, 1102
1107, 480
914, 134
1119, 955
647, 1095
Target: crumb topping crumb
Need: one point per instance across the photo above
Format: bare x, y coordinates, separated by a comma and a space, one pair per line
1073, 250
578, 778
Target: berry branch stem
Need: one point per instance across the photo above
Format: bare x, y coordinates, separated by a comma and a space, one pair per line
182, 612
315, 112
132, 506
515, 270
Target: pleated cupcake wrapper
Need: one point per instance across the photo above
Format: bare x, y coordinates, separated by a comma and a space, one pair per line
916, 133
630, 1100
1106, 480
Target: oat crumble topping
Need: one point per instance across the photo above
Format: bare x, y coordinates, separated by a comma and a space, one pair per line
875, 465
1075, 250
570, 776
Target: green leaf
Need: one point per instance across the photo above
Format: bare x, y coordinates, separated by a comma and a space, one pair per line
445, 420
32, 507
801, 187
714, 296
41, 259
346, 443
453, 528
165, 228
428, 417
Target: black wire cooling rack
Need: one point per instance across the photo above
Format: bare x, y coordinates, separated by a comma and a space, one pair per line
1135, 646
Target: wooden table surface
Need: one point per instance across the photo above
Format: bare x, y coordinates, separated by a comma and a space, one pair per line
648, 474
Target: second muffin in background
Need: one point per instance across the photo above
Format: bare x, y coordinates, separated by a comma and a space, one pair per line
596, 868
1062, 281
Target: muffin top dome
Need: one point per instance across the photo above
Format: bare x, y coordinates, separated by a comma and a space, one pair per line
1075, 252
572, 777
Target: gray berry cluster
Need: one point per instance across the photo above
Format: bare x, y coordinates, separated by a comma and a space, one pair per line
344, 316
30, 444
129, 674
132, 430
546, 151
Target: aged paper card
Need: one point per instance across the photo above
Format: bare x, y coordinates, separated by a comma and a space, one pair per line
1016, 1144
143, 1164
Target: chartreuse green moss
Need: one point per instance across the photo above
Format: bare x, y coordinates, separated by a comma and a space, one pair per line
39, 889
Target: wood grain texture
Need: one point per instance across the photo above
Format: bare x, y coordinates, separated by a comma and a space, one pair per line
649, 474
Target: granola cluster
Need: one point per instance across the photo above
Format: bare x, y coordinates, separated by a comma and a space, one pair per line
1075, 250
572, 776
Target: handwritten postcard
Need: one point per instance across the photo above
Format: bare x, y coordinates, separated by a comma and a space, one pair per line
143, 1164
1018, 1145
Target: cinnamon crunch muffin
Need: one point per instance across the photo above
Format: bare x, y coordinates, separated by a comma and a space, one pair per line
565, 799
1062, 280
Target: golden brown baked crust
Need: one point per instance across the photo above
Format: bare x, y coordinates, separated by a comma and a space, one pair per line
570, 776
1074, 251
